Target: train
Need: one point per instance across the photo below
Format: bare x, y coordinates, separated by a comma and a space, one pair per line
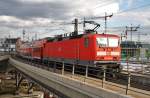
89, 48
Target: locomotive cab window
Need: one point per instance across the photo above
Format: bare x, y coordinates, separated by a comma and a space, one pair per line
113, 42
86, 42
102, 42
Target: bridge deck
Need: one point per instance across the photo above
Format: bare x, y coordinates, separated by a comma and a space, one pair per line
70, 87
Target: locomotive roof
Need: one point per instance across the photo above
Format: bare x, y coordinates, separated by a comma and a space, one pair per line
39, 43
108, 35
51, 39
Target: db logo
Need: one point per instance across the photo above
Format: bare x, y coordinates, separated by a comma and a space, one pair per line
108, 53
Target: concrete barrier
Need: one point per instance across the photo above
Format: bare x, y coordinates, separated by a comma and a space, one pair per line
5, 57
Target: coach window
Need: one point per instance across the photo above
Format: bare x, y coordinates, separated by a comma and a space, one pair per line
86, 42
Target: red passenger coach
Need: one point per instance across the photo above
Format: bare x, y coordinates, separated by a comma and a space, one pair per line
37, 49
24, 50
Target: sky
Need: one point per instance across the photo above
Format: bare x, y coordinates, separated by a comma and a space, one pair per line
42, 18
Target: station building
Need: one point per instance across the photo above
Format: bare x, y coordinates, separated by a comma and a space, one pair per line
135, 49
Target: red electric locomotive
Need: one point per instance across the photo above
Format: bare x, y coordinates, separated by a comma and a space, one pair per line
91, 49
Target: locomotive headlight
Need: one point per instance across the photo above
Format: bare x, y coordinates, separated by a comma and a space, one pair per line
115, 53
101, 53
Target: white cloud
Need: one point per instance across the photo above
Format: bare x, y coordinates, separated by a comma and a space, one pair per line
37, 15
78, 8
110, 8
139, 17
130, 3
35, 1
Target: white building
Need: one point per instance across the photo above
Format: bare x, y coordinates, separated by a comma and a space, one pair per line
8, 44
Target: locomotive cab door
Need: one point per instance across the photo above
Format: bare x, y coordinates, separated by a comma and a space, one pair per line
86, 49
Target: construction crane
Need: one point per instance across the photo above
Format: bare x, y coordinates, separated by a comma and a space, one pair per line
23, 34
131, 29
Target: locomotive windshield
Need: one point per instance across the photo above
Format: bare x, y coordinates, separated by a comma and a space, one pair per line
102, 42
107, 42
112, 42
